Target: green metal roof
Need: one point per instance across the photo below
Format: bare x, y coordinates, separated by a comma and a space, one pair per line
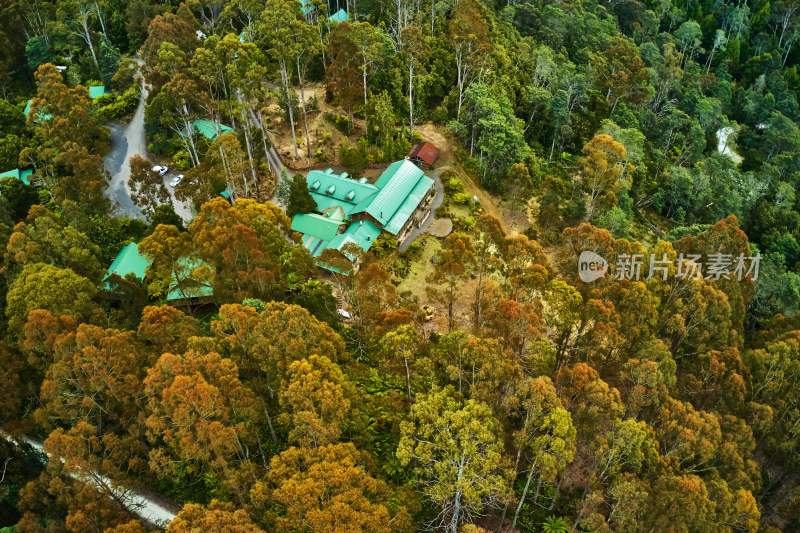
315, 225
306, 6
361, 233
195, 289
211, 129
397, 183
23, 175
340, 16
348, 192
409, 205
390, 201
326, 202
128, 261
97, 90
190, 288
42, 116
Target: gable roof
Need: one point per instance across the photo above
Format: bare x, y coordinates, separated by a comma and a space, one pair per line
23, 175
306, 6
42, 115
361, 233
128, 261
190, 287
209, 128
340, 16
96, 91
425, 151
397, 183
343, 187
315, 225
409, 205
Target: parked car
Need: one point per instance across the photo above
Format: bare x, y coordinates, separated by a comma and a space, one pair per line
176, 180
160, 169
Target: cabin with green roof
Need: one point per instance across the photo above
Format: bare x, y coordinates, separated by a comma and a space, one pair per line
23, 175
96, 91
130, 261
210, 129
340, 16
356, 211
41, 116
306, 6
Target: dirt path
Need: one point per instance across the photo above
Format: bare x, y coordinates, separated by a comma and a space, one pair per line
447, 157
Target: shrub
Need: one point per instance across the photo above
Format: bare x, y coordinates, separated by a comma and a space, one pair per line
462, 198
452, 185
122, 106
440, 115
181, 161
341, 122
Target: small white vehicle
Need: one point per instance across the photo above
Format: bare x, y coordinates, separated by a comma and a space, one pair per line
176, 180
160, 169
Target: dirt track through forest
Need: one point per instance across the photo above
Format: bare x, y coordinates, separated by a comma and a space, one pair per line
447, 157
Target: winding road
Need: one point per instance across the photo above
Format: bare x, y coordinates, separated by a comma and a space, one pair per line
127, 141
144, 506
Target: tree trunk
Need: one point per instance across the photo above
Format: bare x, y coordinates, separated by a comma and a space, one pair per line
408, 378
269, 422
247, 142
264, 138
100, 17
364, 81
301, 79
190, 138
411, 99
322, 44
555, 496
285, 80
522, 499
88, 38
459, 64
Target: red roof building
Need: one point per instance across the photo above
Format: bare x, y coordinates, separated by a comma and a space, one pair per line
424, 155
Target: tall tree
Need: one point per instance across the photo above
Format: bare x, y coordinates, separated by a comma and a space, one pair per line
278, 20
402, 344
415, 49
58, 290
451, 270
300, 200
546, 434
217, 517
326, 489
147, 186
453, 448
622, 74
601, 169
471, 44
315, 394
200, 417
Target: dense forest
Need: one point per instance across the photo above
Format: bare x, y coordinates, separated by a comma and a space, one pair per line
471, 383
